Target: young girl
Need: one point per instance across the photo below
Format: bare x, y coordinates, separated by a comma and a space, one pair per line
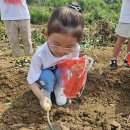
123, 32
64, 30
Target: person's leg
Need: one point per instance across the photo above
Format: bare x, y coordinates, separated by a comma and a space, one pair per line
117, 47
58, 76
13, 36
47, 80
25, 32
61, 99
122, 30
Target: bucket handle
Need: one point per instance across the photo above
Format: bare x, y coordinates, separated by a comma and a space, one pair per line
89, 63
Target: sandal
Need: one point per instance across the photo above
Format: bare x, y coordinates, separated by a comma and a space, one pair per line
26, 62
113, 65
19, 62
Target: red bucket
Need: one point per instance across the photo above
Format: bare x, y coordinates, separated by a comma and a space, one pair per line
73, 75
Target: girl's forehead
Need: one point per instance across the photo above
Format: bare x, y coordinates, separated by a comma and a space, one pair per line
62, 39
59, 37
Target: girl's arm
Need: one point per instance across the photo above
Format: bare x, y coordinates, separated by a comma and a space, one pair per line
36, 90
44, 101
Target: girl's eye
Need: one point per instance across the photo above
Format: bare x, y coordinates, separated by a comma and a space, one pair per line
55, 44
69, 47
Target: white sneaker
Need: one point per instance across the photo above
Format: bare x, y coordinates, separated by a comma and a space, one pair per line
61, 99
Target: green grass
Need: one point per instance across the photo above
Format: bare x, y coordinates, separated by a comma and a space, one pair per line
100, 19
39, 15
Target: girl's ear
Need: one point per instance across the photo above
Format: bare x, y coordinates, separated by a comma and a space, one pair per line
46, 34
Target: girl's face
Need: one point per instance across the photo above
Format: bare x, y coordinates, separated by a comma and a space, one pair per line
60, 44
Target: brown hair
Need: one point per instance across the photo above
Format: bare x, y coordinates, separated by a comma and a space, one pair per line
66, 20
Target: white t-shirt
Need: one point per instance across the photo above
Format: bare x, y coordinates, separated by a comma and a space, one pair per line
43, 59
125, 12
11, 11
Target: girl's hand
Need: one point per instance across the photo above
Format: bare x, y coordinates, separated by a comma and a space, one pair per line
46, 103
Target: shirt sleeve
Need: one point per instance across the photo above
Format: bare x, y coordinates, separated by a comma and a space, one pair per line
35, 69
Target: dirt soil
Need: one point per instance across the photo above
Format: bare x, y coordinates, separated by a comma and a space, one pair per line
104, 104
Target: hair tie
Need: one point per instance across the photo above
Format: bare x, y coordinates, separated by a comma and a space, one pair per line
77, 8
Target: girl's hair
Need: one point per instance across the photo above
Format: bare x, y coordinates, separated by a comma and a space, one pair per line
66, 20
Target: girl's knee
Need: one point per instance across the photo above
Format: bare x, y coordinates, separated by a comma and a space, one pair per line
47, 80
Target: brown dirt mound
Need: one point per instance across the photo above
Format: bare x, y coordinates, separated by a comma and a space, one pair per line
106, 97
